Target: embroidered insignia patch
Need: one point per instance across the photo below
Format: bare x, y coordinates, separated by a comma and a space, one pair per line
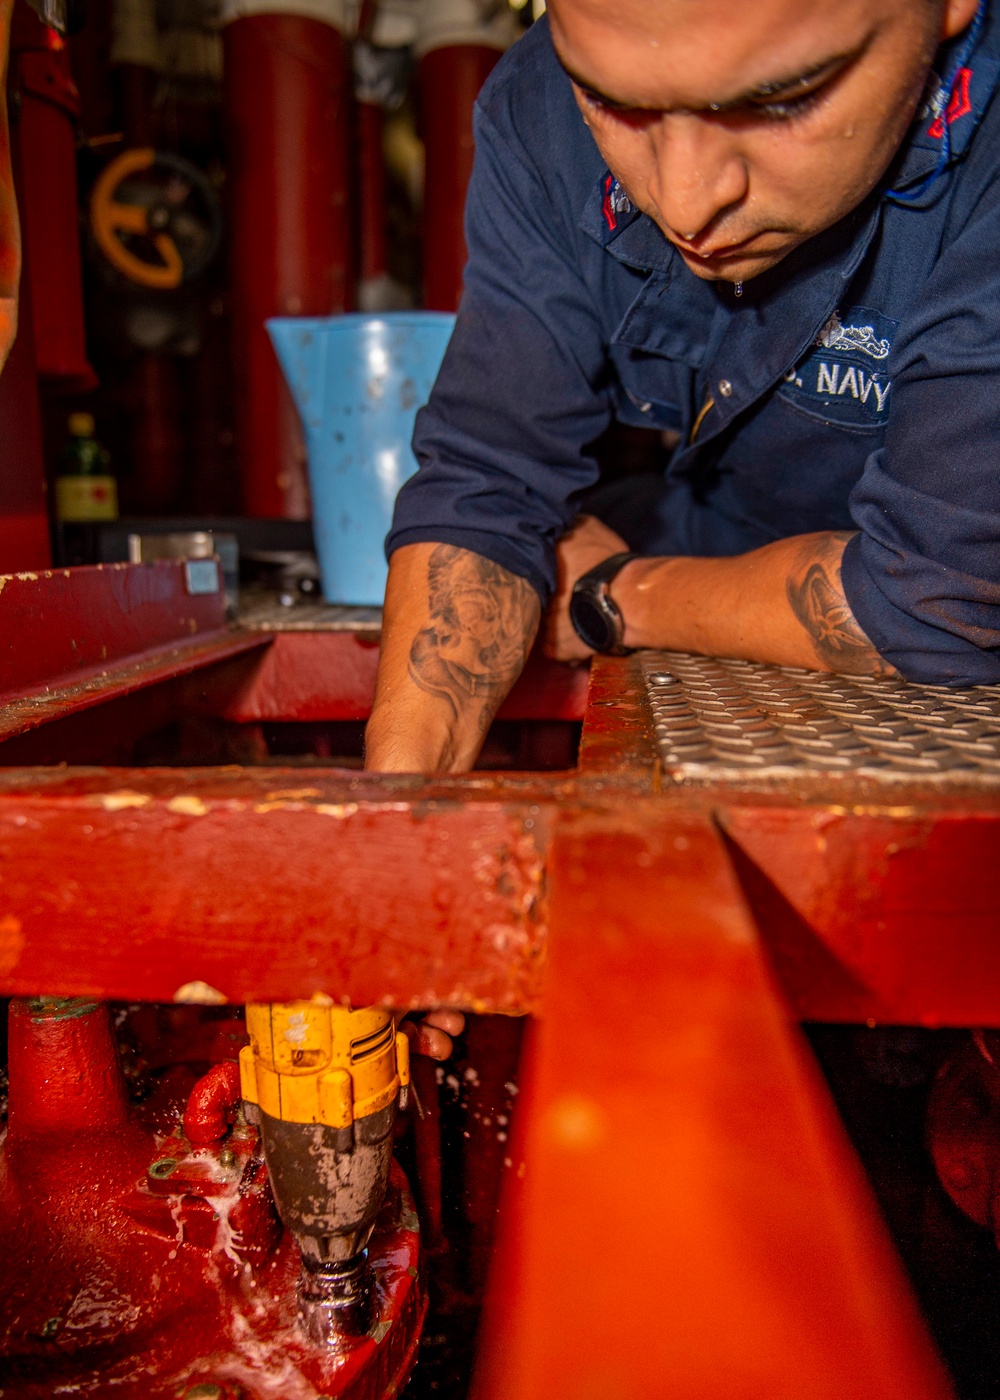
614, 201
959, 106
843, 378
836, 336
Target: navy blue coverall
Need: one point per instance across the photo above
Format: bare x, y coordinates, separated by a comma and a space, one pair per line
855, 386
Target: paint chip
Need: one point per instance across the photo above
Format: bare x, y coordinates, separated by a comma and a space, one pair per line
199, 994
118, 801
187, 806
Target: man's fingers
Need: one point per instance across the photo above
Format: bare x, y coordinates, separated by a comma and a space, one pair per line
432, 1035
432, 1042
446, 1020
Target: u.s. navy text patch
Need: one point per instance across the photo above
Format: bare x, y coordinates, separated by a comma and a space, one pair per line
843, 378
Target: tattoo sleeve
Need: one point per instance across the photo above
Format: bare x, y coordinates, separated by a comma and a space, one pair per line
816, 595
482, 622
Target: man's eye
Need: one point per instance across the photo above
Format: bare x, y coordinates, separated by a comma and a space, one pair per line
629, 116
789, 107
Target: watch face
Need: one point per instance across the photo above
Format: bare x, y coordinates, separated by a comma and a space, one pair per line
593, 620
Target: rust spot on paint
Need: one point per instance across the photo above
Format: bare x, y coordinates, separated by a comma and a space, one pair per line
11, 943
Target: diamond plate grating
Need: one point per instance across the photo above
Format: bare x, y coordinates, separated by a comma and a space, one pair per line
723, 719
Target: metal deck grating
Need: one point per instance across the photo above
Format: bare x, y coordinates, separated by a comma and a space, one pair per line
722, 719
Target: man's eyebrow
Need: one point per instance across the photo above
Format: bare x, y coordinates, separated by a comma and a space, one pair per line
770, 88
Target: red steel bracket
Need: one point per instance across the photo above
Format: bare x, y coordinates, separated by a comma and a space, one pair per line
688, 1219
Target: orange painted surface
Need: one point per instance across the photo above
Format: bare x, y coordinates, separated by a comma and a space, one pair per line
689, 1220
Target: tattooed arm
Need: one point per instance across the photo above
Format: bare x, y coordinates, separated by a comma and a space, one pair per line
816, 596
783, 603
456, 631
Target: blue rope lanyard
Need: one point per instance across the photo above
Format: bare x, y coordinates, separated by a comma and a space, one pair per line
946, 92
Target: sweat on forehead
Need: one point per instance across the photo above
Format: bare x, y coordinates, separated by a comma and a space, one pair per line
701, 53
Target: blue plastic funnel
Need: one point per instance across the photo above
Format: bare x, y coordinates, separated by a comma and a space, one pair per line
357, 382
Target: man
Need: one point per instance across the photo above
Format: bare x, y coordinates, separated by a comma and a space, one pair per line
772, 230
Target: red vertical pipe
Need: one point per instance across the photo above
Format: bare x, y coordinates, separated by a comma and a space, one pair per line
65, 1074
24, 520
46, 137
24, 524
287, 102
450, 79
10, 230
157, 443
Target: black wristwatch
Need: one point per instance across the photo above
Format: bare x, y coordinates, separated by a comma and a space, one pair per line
594, 613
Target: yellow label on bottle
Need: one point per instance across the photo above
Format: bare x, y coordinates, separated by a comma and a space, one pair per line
86, 498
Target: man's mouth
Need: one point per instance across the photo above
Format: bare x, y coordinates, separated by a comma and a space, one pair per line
712, 257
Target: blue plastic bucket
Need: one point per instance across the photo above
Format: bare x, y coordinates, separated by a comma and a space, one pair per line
357, 382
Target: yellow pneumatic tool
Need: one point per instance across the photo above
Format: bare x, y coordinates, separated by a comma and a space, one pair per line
323, 1084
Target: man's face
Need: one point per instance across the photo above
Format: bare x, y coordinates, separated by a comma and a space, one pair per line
744, 127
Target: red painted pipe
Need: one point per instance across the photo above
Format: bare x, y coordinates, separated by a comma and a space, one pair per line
45, 132
24, 523
65, 1075
287, 102
212, 1104
450, 79
24, 520
157, 443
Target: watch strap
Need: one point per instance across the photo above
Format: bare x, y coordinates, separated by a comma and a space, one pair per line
592, 603
605, 571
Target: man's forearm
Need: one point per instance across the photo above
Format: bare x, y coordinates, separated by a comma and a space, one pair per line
783, 603
455, 634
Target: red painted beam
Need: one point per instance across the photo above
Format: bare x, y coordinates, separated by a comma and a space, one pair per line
327, 675
95, 687
690, 1220
877, 913
73, 621
268, 885
74, 639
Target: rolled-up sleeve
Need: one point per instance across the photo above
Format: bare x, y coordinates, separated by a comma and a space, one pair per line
923, 575
507, 437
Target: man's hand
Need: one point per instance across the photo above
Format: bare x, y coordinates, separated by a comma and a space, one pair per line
432, 1036
585, 546
783, 603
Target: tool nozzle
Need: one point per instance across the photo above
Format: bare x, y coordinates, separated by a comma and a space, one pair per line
336, 1301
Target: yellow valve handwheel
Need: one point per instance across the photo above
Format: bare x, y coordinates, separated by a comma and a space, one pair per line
137, 223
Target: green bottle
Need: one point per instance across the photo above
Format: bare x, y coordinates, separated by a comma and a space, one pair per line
85, 487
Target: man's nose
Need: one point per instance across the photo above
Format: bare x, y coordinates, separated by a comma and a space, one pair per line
700, 172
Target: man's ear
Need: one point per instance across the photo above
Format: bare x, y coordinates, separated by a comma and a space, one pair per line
958, 15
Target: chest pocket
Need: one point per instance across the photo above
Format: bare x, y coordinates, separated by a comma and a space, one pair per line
843, 379
650, 390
